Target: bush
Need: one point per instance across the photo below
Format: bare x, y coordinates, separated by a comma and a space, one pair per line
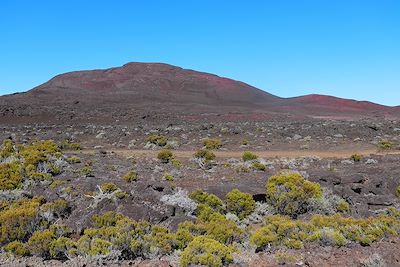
10, 176
290, 193
397, 193
204, 154
38, 152
131, 176
19, 219
247, 156
168, 177
109, 187
39, 243
343, 206
239, 203
258, 166
212, 143
87, 171
62, 248
165, 155
332, 230
176, 163
356, 157
158, 140
385, 144
7, 149
210, 200
206, 251
17, 248
73, 160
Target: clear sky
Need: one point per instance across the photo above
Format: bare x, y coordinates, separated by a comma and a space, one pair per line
346, 48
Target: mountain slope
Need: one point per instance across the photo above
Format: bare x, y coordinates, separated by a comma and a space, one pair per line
154, 89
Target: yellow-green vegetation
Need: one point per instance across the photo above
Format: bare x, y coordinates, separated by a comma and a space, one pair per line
39, 242
10, 176
16, 218
204, 154
333, 230
247, 156
109, 187
38, 152
289, 193
244, 142
397, 192
385, 144
258, 166
176, 163
35, 161
207, 252
131, 176
239, 203
158, 140
356, 157
87, 171
7, 149
212, 143
343, 206
66, 144
17, 248
210, 200
168, 177
73, 160
165, 155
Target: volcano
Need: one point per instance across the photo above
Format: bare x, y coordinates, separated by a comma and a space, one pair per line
144, 90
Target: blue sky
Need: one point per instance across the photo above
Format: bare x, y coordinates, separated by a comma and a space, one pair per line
346, 48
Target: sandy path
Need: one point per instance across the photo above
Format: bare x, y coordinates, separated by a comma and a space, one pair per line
238, 154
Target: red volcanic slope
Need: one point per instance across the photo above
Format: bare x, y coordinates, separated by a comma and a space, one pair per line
153, 88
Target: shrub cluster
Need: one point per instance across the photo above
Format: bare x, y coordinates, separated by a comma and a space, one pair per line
290, 193
210, 143
165, 155
158, 140
332, 230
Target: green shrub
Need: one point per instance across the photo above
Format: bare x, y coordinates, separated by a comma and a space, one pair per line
38, 152
210, 200
109, 187
397, 193
176, 163
247, 156
258, 166
290, 193
131, 176
204, 154
158, 140
168, 177
10, 176
73, 160
241, 204
244, 142
343, 206
385, 144
356, 157
7, 149
17, 248
62, 248
207, 252
165, 155
39, 243
210, 143
87, 171
332, 230
18, 219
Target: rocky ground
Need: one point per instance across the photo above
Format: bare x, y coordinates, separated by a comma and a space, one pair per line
368, 184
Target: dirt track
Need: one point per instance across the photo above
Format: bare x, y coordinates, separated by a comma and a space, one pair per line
238, 154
